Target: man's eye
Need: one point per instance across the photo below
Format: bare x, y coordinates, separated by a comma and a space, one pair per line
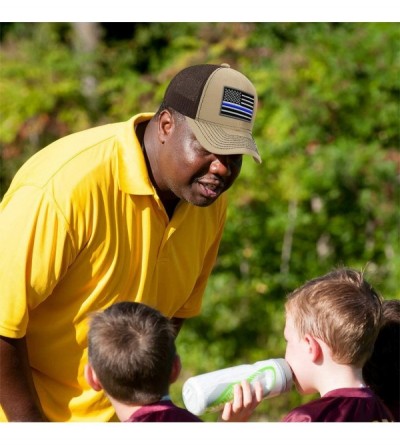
236, 160
202, 151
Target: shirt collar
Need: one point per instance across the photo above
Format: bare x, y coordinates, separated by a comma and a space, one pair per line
132, 170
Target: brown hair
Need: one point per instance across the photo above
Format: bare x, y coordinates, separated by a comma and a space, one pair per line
131, 349
382, 370
343, 310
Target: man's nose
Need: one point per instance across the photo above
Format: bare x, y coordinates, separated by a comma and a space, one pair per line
221, 166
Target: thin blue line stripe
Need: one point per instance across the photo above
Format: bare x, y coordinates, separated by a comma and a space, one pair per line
238, 107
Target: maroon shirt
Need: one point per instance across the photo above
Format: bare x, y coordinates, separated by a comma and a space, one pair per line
163, 411
342, 405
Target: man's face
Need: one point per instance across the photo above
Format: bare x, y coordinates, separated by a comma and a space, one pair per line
191, 172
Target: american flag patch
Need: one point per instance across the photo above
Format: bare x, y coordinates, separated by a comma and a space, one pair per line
237, 104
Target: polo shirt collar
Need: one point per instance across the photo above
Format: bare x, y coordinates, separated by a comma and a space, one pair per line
133, 175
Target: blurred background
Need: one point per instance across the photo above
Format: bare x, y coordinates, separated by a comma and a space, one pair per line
327, 127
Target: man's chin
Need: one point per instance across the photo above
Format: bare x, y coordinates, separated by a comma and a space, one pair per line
201, 202
200, 199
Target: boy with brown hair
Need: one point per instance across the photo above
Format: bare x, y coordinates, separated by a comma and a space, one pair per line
382, 370
132, 357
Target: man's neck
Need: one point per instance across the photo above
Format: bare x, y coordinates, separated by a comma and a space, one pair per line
169, 200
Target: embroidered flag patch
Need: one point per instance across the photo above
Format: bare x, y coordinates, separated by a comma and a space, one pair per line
237, 104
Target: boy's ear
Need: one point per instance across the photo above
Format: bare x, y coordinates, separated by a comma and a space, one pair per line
176, 369
314, 348
91, 378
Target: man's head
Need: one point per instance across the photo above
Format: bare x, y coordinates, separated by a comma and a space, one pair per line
132, 353
219, 105
338, 312
200, 133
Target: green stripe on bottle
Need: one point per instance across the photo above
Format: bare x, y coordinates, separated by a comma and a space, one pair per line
227, 394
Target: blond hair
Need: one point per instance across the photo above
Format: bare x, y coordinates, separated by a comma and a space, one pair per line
342, 309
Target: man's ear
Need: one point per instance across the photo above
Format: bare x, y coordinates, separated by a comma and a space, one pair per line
314, 348
91, 378
176, 369
165, 124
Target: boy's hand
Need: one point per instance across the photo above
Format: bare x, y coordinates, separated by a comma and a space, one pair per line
245, 401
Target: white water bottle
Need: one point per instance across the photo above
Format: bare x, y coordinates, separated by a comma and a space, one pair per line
210, 391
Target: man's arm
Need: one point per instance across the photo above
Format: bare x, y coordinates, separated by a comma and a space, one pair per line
18, 397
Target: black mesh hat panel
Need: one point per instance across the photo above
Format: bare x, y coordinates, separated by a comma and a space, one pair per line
185, 89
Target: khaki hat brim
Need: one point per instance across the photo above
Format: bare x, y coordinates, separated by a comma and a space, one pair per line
223, 140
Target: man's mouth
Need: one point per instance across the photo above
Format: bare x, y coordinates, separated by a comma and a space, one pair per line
211, 189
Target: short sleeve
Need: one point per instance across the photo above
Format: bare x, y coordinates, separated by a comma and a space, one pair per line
36, 250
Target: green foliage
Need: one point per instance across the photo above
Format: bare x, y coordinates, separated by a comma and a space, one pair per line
326, 194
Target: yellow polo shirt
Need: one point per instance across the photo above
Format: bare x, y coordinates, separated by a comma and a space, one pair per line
82, 227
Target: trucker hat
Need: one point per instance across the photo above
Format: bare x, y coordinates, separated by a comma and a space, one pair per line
219, 104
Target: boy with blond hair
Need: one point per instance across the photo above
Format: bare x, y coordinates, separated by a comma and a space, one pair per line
332, 323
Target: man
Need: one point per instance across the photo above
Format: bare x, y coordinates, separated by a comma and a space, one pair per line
126, 211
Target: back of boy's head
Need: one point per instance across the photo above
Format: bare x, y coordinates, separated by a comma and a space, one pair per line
132, 349
382, 370
343, 310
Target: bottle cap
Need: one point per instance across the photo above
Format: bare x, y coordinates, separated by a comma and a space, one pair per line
193, 397
285, 373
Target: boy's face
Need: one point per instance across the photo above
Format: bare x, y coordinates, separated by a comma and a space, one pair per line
297, 357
